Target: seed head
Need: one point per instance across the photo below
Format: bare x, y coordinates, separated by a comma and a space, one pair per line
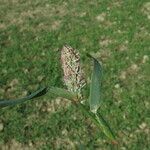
73, 74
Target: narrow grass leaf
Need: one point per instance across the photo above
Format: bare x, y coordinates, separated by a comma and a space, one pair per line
38, 93
59, 92
94, 99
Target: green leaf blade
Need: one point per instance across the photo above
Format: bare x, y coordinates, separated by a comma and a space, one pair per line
59, 92
38, 93
95, 87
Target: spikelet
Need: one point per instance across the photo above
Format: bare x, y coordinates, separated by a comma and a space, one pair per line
73, 74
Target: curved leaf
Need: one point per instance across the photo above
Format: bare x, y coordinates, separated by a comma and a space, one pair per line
38, 93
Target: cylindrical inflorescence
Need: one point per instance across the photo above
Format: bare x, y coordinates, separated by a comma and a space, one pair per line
73, 73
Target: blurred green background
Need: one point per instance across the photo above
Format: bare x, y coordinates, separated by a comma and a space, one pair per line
116, 32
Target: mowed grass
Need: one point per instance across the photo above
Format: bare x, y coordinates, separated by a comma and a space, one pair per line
115, 32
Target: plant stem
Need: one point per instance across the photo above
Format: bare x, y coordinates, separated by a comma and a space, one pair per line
104, 126
88, 113
98, 121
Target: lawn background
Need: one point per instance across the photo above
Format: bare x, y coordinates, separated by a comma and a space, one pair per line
31, 36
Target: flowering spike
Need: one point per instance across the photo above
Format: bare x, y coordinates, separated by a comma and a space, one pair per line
73, 74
